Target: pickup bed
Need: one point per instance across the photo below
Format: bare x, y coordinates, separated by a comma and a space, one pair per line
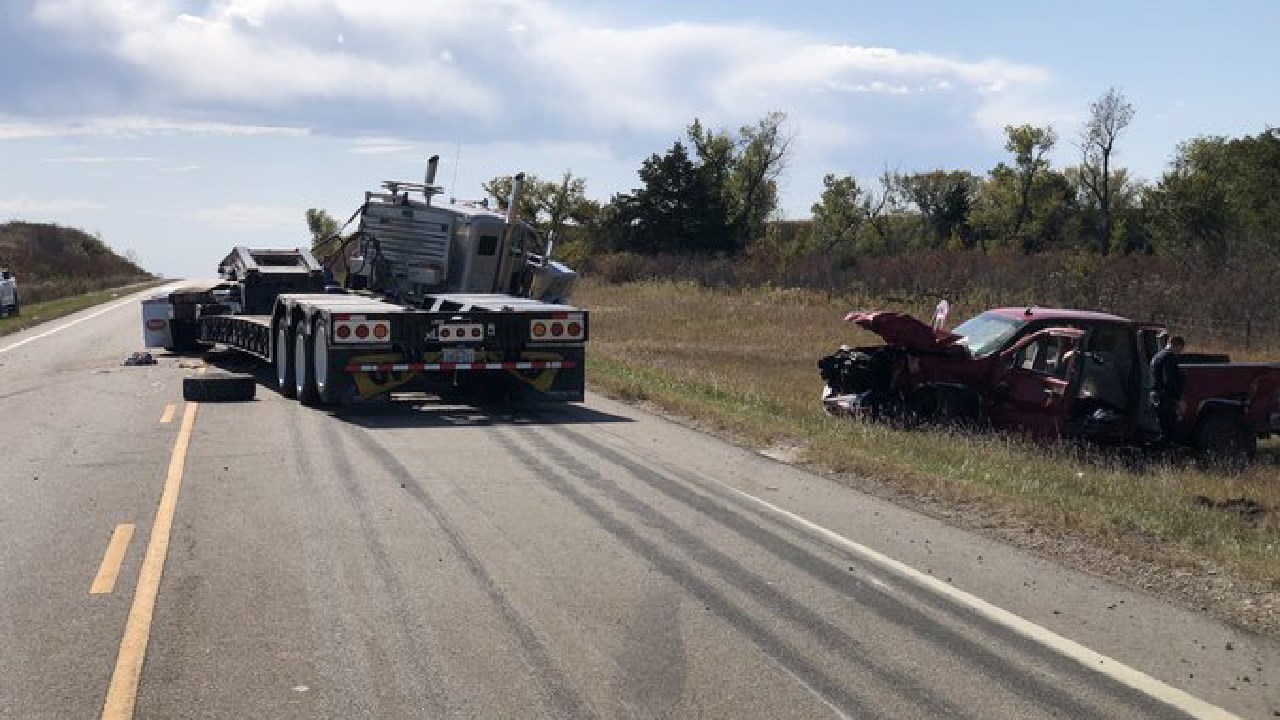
1050, 373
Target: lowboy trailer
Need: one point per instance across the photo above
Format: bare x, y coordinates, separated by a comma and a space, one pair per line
446, 298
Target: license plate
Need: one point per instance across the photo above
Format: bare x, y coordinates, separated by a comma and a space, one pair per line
459, 355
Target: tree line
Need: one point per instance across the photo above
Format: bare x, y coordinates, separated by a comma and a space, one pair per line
715, 191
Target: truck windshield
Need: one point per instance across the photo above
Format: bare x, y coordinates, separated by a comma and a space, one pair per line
987, 332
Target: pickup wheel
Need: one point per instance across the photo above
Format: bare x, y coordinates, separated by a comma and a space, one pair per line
1225, 441
304, 377
284, 359
333, 385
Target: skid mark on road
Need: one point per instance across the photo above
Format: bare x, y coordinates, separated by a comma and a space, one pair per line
1123, 675
567, 702
825, 688
421, 677
871, 597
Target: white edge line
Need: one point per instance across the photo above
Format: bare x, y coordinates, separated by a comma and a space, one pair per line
77, 321
1070, 649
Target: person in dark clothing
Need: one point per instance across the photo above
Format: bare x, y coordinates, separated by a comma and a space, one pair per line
1166, 386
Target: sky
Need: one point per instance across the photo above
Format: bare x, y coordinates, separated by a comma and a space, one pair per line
178, 129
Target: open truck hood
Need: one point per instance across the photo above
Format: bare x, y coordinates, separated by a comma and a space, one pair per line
907, 332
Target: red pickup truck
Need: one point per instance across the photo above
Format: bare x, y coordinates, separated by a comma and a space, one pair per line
1050, 373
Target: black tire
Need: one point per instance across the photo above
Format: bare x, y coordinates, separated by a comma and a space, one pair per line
304, 373
185, 335
219, 388
334, 386
1226, 442
284, 359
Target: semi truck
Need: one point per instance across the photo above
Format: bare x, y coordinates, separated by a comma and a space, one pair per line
452, 298
9, 304
1050, 373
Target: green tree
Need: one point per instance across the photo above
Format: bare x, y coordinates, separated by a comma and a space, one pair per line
944, 201
1029, 145
763, 152
324, 233
839, 214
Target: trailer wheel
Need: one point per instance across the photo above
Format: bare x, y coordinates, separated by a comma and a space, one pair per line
304, 384
333, 384
219, 388
284, 360
1226, 442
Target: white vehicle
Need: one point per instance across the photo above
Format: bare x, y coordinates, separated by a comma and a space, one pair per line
8, 294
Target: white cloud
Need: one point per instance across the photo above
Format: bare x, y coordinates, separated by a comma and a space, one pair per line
98, 160
553, 72
244, 216
13, 129
23, 206
384, 146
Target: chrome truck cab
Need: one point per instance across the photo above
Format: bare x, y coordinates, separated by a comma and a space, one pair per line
409, 248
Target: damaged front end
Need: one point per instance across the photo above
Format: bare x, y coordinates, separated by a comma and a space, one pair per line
868, 381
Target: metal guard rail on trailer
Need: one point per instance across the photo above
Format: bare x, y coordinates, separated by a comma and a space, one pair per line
248, 333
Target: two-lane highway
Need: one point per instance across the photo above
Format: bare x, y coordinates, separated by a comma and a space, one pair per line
416, 560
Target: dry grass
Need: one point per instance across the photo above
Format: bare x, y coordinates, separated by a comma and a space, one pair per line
744, 362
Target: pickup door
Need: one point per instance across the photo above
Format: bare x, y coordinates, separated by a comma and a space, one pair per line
1033, 379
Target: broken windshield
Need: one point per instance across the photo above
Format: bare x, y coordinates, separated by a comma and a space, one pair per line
987, 332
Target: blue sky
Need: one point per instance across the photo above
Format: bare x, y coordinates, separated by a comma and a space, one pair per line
180, 128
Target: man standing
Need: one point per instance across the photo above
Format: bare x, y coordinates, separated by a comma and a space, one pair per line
1167, 383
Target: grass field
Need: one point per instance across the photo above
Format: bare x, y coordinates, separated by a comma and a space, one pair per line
743, 363
35, 313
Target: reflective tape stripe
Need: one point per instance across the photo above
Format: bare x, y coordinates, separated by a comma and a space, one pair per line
424, 367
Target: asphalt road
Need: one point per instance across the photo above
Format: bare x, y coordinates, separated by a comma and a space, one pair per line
415, 560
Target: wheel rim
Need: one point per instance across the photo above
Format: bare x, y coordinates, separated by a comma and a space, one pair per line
282, 356
320, 357
300, 363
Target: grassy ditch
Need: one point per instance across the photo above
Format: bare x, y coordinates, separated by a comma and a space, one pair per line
743, 362
38, 312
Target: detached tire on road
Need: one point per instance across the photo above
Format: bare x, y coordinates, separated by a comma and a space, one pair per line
219, 388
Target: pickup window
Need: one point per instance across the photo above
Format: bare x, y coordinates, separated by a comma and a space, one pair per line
1045, 356
987, 333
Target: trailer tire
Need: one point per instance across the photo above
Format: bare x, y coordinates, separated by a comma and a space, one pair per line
219, 388
283, 357
1225, 441
333, 385
304, 374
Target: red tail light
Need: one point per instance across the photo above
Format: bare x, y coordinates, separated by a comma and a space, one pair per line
575, 329
475, 332
343, 332
557, 329
362, 331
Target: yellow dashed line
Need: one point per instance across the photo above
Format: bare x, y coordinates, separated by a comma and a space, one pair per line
123, 692
105, 581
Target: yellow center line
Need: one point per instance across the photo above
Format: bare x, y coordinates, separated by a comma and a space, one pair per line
105, 581
169, 411
123, 692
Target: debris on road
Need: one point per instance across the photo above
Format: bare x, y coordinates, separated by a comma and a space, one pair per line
140, 358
